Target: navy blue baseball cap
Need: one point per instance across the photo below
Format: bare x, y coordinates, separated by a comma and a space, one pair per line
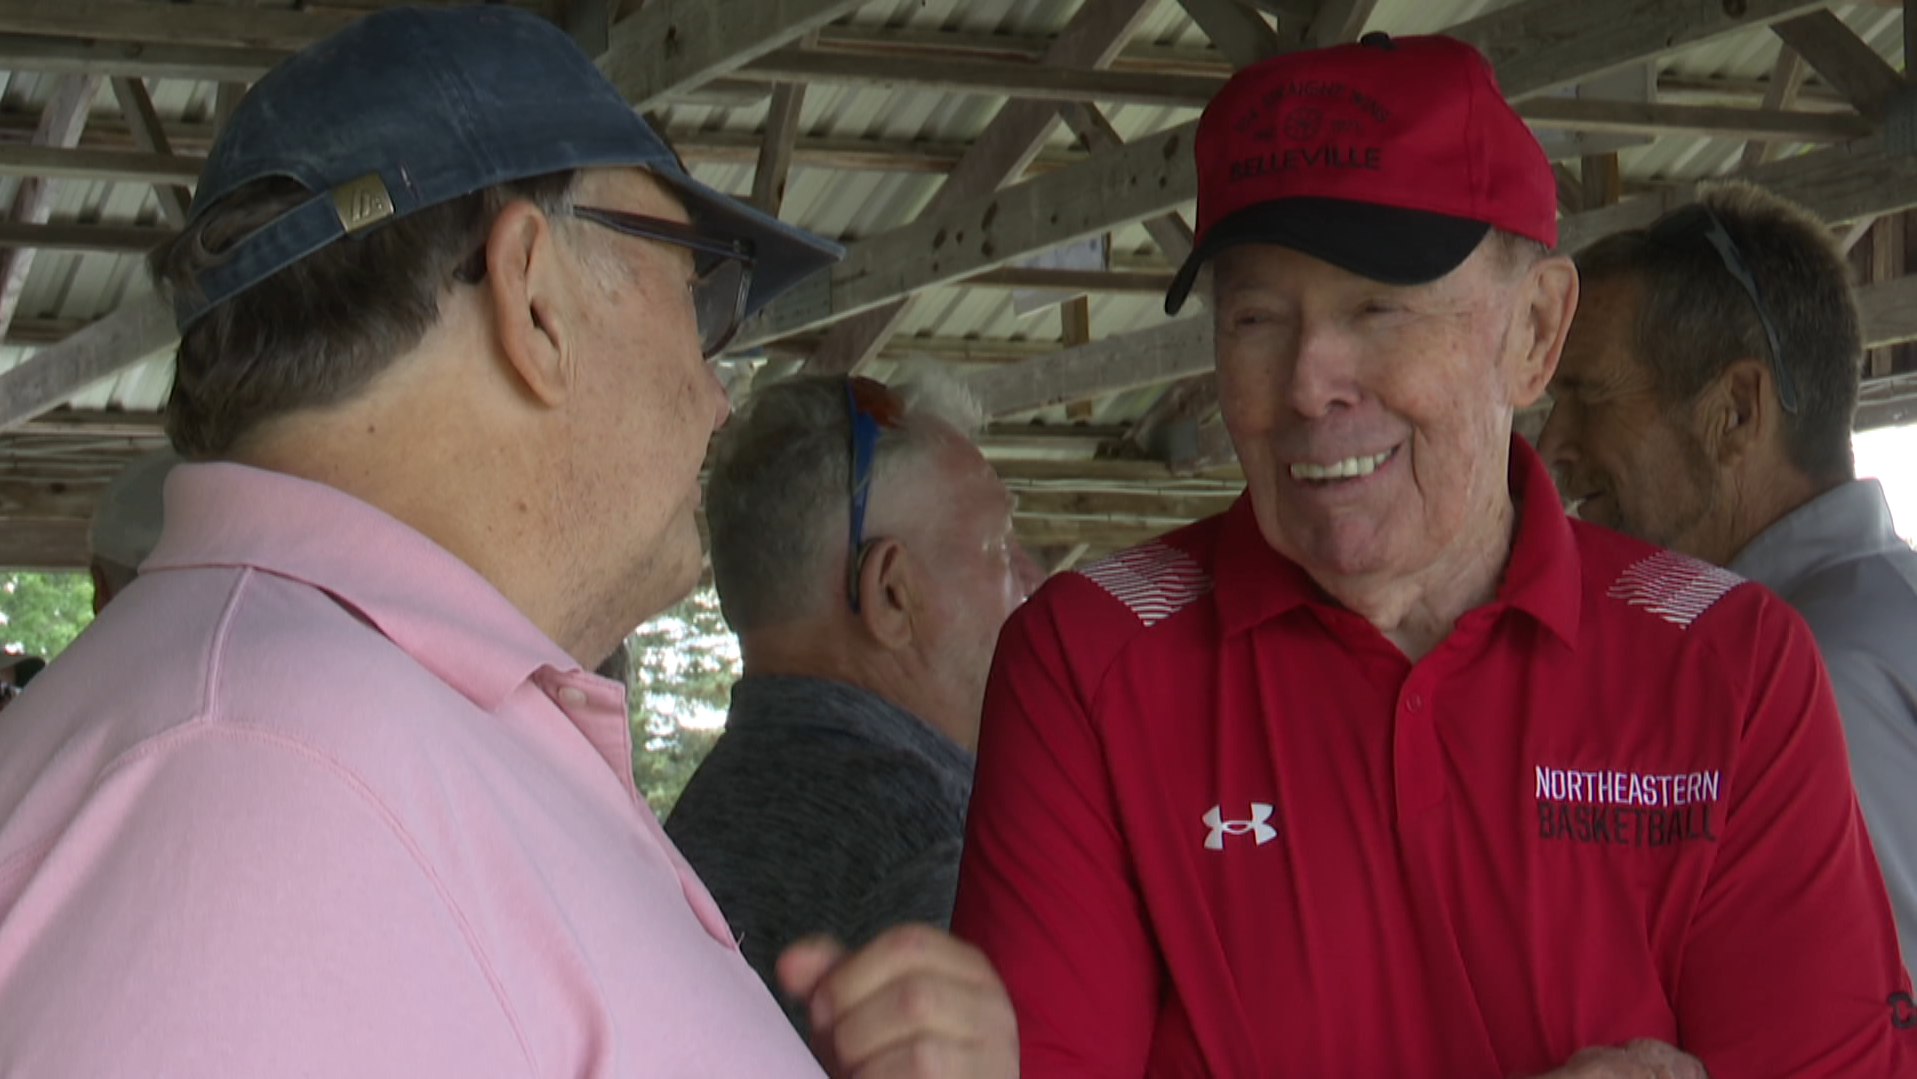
410, 107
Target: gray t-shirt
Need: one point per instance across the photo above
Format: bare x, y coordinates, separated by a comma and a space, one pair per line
1838, 562
823, 809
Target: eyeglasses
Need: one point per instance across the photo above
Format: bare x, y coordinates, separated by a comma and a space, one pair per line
1697, 221
722, 269
869, 405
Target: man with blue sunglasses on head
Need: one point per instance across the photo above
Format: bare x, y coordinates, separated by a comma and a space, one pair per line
328, 789
1704, 403
863, 551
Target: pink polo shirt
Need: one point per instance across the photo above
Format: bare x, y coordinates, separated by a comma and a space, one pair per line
312, 798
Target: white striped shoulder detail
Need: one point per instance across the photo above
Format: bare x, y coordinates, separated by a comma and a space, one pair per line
1155, 581
1675, 587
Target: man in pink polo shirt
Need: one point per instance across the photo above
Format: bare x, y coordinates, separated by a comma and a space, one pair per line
328, 790
1391, 770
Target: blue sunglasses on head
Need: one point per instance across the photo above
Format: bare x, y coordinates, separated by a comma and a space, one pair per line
869, 405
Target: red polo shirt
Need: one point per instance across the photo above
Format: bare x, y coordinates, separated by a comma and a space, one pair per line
1221, 826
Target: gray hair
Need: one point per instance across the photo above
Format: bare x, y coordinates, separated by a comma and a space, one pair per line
776, 498
1694, 320
317, 332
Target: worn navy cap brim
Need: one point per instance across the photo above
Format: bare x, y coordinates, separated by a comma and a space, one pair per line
409, 107
783, 255
1388, 244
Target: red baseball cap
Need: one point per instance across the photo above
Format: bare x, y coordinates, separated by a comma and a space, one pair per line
1390, 158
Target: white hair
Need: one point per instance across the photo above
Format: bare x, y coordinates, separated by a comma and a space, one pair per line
777, 495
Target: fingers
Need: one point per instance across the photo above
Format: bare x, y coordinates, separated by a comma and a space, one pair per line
1643, 1058
914, 1002
1665, 1061
802, 965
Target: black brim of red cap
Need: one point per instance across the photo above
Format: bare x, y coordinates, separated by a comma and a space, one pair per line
1389, 244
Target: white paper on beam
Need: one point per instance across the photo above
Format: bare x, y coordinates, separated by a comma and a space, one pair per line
1087, 254
1637, 83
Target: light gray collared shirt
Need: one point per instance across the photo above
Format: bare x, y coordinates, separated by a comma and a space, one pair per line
1837, 560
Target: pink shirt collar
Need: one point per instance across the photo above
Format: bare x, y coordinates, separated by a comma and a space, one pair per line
426, 601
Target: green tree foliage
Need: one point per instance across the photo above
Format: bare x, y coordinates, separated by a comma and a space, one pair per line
684, 663
43, 612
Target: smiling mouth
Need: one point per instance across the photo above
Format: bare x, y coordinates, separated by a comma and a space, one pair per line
1350, 468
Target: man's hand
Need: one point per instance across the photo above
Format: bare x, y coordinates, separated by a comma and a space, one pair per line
1641, 1059
913, 1004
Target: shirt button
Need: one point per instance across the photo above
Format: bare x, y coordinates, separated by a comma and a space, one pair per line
1413, 703
572, 696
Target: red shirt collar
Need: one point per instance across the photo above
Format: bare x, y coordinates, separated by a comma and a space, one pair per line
1542, 577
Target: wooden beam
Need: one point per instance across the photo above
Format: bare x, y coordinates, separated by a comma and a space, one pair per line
1145, 358
276, 29
1182, 505
1095, 34
1169, 231
1049, 83
1787, 81
44, 545
1603, 185
1019, 474
1843, 59
1575, 40
136, 331
952, 350
96, 56
1541, 45
897, 41
1853, 234
1649, 118
1035, 82
1886, 264
114, 239
113, 166
1241, 34
1113, 282
670, 46
1888, 310
1910, 34
1842, 183
47, 501
61, 122
775, 157
1141, 180
136, 105
1339, 21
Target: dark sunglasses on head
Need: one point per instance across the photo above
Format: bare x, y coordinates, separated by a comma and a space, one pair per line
1685, 226
722, 269
869, 405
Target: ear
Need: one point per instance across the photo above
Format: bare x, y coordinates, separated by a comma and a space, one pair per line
889, 593
528, 284
1735, 413
1549, 300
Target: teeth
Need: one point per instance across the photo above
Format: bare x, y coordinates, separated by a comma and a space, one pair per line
1341, 470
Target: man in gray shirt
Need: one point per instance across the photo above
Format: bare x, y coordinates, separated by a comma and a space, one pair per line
863, 552
1704, 402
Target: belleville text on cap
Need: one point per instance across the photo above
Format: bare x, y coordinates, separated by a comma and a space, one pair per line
1390, 158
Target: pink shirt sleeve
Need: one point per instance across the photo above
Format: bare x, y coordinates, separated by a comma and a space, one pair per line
288, 924
1046, 887
1791, 959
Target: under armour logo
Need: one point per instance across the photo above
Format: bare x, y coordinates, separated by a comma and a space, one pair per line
1256, 827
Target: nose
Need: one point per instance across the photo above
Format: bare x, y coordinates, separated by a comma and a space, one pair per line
1323, 372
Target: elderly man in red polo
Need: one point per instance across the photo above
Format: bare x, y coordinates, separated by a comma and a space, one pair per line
1391, 770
